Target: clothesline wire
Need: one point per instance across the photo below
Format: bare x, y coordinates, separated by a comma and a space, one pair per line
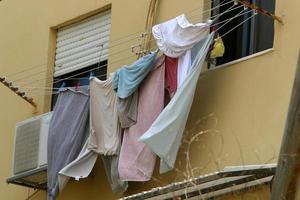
25, 70
238, 15
95, 68
51, 89
123, 42
227, 11
228, 20
210, 2
205, 3
223, 3
134, 55
253, 15
219, 28
116, 53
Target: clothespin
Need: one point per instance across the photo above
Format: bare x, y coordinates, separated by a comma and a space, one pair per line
62, 87
92, 75
90, 78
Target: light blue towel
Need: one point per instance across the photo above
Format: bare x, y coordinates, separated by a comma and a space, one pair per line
127, 79
165, 134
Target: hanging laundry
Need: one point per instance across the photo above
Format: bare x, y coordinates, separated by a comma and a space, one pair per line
111, 169
127, 110
105, 132
127, 79
184, 65
67, 134
171, 65
136, 160
105, 128
218, 48
164, 135
82, 166
176, 36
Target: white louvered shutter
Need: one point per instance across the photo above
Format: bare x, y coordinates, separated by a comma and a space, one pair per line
82, 44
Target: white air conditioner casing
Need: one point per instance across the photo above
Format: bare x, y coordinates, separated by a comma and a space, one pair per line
30, 149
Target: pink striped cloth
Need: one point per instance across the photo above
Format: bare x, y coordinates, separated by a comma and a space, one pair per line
137, 161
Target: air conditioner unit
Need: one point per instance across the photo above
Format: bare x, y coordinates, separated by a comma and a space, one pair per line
30, 152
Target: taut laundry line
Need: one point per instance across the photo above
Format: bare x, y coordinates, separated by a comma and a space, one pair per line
153, 39
25, 70
223, 3
214, 18
95, 68
230, 19
260, 10
137, 34
16, 91
59, 79
254, 14
141, 35
205, 3
227, 21
49, 88
238, 15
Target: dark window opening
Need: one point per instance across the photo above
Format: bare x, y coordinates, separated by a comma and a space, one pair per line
80, 77
253, 36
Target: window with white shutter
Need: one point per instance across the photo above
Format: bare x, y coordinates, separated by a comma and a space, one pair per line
82, 44
81, 49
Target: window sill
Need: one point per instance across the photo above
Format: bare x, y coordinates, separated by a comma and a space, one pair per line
242, 59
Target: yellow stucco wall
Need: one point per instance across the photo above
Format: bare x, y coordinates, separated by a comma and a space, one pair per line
244, 104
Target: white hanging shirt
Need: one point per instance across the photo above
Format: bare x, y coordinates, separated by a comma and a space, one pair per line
176, 36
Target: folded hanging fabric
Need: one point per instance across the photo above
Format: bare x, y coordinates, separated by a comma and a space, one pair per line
165, 134
104, 138
136, 160
105, 129
111, 169
171, 65
127, 79
127, 110
79, 168
176, 36
83, 165
67, 134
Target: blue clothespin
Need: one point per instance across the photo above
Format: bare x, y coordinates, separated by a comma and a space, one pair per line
62, 87
92, 75
90, 78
